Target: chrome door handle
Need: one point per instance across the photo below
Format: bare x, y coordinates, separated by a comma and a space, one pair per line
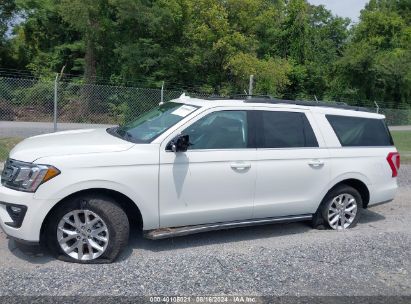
316, 163
240, 166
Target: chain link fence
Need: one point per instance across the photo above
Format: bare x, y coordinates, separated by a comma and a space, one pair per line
27, 106
102, 104
32, 100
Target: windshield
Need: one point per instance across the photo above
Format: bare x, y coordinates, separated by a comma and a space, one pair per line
153, 123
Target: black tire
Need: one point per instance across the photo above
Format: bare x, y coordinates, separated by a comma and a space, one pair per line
108, 210
320, 220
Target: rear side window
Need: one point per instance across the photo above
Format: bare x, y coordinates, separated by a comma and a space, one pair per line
285, 130
360, 132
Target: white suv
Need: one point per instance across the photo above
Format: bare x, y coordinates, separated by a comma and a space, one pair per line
193, 165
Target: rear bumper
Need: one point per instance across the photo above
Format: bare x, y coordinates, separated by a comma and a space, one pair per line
381, 194
35, 212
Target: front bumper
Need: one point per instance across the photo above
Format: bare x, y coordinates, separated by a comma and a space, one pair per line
15, 212
35, 213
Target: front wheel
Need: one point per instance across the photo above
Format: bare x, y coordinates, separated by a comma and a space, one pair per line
88, 230
340, 209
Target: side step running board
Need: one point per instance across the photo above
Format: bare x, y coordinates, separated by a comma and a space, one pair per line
163, 233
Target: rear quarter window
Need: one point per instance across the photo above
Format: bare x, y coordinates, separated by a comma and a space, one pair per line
360, 132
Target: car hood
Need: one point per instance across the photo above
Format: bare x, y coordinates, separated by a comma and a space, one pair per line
68, 143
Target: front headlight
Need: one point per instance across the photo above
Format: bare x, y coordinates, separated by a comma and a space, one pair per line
26, 176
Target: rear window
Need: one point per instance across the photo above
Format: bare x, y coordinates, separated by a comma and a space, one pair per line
360, 132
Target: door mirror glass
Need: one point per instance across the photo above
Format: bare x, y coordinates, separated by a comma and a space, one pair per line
179, 143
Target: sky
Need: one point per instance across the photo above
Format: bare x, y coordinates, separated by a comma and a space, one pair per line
343, 8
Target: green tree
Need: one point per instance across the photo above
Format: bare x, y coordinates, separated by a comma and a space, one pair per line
7, 13
42, 41
294, 49
93, 20
149, 40
376, 62
271, 74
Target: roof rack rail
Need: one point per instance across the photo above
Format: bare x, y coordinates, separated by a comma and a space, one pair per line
248, 96
216, 97
238, 96
339, 105
269, 99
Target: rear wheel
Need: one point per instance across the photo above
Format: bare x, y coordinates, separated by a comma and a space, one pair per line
340, 209
88, 230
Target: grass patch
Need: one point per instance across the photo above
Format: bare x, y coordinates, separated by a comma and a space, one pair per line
6, 144
402, 140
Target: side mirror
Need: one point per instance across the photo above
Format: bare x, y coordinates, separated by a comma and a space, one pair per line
179, 144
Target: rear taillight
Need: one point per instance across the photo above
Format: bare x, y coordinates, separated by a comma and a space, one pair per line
393, 160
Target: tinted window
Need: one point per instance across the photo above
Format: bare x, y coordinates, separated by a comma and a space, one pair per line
286, 130
219, 130
358, 131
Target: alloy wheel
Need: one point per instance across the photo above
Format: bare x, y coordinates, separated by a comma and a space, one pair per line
342, 211
82, 235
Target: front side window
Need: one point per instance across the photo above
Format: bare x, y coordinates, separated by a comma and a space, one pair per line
280, 129
219, 130
360, 131
153, 123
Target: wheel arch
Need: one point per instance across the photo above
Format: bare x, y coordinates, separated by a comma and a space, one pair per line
127, 204
357, 184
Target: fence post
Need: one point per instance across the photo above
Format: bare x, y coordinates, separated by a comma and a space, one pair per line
162, 92
377, 106
55, 102
250, 86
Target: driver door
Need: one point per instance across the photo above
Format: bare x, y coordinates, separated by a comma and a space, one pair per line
214, 180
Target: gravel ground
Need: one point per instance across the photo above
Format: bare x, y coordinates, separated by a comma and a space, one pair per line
291, 259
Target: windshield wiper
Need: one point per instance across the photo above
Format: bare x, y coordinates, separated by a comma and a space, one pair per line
127, 135
123, 134
118, 132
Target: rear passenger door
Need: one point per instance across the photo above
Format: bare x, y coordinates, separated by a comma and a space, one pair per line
292, 166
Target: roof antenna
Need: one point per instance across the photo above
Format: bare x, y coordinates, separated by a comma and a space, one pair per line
315, 98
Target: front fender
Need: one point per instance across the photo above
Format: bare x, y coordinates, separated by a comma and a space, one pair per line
148, 210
